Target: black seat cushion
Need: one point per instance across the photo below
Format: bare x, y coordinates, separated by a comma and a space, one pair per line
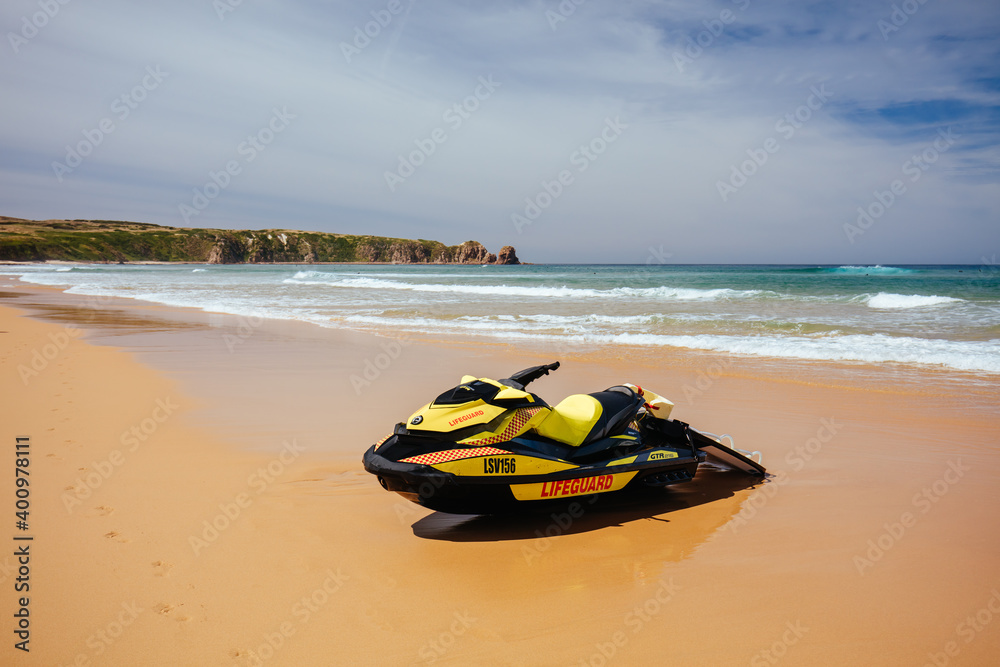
619, 406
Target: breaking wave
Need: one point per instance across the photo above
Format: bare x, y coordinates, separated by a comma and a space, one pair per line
877, 270
887, 300
663, 292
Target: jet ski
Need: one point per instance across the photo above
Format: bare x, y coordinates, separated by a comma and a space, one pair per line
490, 446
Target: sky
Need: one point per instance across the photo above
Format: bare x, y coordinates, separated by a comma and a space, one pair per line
737, 131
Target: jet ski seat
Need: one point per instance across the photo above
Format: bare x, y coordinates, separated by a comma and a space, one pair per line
583, 418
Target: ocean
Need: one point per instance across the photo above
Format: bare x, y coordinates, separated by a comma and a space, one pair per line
943, 317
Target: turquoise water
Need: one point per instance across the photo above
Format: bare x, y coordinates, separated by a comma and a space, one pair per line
935, 316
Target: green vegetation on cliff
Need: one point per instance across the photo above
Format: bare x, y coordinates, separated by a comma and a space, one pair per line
113, 241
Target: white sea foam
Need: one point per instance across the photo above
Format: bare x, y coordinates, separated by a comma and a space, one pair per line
878, 270
49, 277
981, 356
975, 356
886, 300
663, 292
426, 274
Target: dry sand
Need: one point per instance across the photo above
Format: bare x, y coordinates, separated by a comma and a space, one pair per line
875, 542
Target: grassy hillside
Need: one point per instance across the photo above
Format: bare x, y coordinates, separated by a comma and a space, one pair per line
115, 241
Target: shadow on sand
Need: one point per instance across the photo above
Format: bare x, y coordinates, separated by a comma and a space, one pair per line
588, 513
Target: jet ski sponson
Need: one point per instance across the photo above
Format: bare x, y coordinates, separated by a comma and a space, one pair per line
489, 446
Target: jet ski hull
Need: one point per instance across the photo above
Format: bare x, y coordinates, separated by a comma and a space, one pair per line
500, 492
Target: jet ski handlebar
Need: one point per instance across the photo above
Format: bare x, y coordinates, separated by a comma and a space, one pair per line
521, 379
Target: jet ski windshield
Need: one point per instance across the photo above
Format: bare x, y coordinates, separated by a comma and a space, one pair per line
490, 392
467, 392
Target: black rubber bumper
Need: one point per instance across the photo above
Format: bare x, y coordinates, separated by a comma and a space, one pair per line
445, 492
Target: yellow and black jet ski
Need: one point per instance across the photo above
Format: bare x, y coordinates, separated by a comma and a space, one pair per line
489, 446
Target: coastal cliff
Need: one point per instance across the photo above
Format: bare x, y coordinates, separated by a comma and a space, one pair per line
115, 241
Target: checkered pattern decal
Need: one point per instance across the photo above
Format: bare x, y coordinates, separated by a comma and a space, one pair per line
379, 443
521, 417
453, 455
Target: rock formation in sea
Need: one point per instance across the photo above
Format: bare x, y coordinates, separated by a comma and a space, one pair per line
508, 255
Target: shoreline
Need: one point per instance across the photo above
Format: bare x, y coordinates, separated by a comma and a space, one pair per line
840, 328
502, 591
845, 373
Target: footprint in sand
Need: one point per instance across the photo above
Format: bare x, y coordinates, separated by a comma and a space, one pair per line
54, 456
161, 568
164, 609
116, 536
104, 510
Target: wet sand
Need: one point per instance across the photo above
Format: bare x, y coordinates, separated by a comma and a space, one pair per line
198, 498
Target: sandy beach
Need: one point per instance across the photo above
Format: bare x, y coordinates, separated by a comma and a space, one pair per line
197, 497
